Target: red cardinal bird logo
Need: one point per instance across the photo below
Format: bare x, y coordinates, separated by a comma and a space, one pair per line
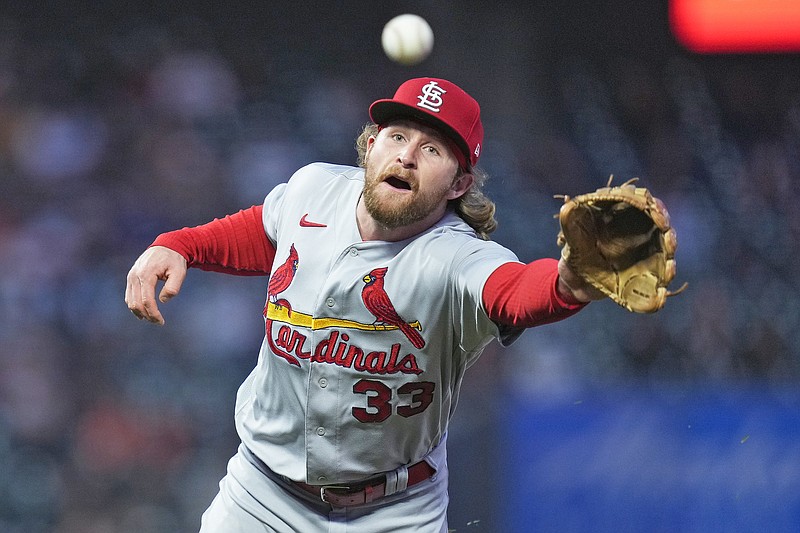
280, 279
377, 302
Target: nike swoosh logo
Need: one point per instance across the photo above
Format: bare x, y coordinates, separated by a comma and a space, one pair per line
304, 223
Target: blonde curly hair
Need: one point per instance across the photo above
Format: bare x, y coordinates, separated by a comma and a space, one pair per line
474, 207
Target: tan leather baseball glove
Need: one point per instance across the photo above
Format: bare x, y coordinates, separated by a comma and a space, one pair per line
619, 239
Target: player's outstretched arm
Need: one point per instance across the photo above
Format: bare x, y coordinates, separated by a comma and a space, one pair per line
156, 263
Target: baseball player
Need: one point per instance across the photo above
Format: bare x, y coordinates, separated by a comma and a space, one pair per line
383, 290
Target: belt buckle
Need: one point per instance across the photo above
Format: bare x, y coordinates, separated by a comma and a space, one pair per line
325, 488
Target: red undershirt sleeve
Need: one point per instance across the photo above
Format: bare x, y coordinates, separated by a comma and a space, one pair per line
236, 244
524, 296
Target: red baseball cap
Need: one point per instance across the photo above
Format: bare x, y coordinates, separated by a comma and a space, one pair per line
442, 105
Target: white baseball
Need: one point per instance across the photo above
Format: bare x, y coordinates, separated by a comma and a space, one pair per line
407, 39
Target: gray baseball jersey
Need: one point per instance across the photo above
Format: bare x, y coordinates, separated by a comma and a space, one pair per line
366, 342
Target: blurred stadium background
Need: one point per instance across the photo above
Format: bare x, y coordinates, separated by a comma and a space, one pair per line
119, 121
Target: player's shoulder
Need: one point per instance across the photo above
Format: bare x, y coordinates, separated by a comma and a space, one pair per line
321, 184
320, 173
453, 238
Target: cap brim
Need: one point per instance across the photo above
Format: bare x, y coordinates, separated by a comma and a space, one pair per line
383, 111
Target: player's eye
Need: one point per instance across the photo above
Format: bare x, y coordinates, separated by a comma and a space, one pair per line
432, 149
397, 137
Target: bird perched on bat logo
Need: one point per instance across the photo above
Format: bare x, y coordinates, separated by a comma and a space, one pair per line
281, 278
378, 303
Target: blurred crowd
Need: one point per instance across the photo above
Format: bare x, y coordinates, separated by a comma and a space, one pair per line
112, 136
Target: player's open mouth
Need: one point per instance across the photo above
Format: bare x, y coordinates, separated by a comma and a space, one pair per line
397, 183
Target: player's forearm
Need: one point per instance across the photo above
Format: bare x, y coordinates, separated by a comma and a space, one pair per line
235, 244
523, 295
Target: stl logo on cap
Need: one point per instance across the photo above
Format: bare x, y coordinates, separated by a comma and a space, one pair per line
431, 97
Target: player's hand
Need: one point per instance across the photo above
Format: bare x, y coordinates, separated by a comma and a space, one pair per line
572, 285
156, 263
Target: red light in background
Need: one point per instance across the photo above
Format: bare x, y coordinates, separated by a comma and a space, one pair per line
736, 26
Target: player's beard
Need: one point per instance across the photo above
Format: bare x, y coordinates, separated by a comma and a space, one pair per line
398, 210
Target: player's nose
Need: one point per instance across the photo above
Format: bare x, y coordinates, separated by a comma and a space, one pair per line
408, 157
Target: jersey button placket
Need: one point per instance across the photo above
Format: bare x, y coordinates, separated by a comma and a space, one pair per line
321, 423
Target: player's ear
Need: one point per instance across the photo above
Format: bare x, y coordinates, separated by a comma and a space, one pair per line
370, 143
461, 184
